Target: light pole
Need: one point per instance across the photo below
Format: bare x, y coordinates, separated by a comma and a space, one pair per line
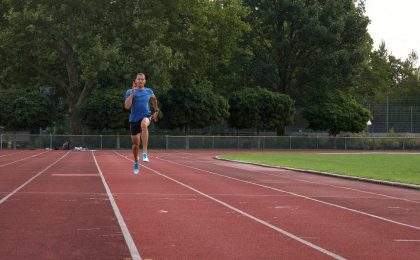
368, 123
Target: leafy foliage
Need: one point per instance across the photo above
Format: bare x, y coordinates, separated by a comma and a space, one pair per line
376, 78
25, 109
301, 47
296, 47
192, 107
103, 111
336, 112
261, 109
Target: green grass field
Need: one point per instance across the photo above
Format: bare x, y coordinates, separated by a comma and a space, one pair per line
404, 168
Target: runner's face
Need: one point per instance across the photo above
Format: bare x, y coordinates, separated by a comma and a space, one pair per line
140, 80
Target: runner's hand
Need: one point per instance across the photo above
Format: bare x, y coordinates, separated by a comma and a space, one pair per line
155, 116
133, 87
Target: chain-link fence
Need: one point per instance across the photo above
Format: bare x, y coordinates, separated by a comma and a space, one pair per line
166, 142
395, 115
398, 115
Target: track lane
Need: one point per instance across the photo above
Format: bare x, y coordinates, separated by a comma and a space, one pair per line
306, 215
6, 153
65, 212
62, 214
170, 221
393, 208
16, 157
397, 204
12, 176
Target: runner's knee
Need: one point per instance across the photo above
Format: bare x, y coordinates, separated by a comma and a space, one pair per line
144, 125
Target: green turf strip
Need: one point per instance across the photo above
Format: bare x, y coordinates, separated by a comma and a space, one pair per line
404, 168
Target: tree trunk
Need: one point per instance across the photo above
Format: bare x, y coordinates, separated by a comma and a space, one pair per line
75, 121
76, 93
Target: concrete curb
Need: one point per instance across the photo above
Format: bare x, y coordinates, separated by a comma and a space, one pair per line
389, 183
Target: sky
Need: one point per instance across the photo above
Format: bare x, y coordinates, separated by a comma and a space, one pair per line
397, 22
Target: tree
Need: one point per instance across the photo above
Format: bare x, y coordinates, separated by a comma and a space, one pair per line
81, 45
302, 47
206, 35
23, 109
192, 107
407, 77
376, 78
336, 112
103, 111
385, 75
261, 109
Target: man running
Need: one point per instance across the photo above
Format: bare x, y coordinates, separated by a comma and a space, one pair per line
137, 100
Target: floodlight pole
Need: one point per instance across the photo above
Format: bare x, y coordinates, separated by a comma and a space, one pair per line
368, 123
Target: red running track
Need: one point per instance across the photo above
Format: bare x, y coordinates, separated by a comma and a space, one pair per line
187, 205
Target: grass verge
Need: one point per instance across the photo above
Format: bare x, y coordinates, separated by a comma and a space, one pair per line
404, 168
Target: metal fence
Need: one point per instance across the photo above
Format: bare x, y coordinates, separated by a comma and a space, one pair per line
397, 115
166, 142
393, 114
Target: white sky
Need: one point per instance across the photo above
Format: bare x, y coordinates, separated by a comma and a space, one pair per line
397, 22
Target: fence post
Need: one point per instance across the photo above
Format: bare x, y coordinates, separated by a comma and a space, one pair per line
51, 141
263, 146
387, 110
237, 142
290, 142
1, 142
411, 119
345, 143
187, 142
166, 141
101, 141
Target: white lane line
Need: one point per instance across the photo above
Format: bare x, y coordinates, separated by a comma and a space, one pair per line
342, 187
74, 175
282, 231
298, 195
135, 255
22, 159
330, 185
367, 153
407, 240
31, 179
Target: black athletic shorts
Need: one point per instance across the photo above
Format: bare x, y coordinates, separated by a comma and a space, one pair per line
135, 127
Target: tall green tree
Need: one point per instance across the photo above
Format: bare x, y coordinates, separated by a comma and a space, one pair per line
406, 77
81, 45
336, 112
261, 109
22, 109
207, 35
103, 111
385, 75
376, 79
191, 107
302, 47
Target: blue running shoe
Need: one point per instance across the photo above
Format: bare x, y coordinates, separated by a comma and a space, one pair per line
145, 157
136, 168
